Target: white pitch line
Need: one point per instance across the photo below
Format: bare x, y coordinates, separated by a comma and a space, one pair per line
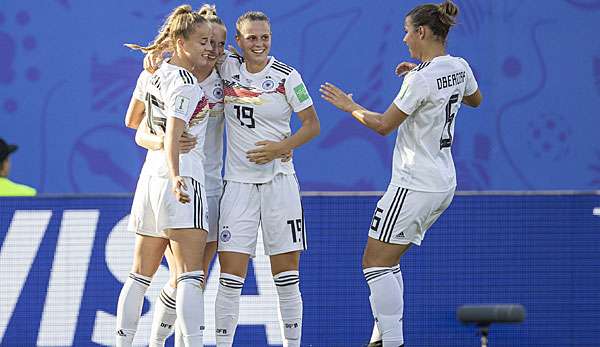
596, 211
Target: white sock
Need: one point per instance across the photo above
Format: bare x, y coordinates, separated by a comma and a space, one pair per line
227, 308
376, 335
290, 306
164, 316
178, 336
129, 308
190, 307
387, 304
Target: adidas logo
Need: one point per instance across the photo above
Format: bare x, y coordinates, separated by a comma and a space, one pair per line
400, 234
236, 77
121, 333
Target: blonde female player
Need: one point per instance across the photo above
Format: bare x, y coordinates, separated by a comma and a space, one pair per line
169, 207
261, 190
423, 176
164, 309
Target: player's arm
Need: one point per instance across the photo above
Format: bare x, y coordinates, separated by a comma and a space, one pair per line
382, 123
135, 113
174, 130
267, 151
144, 138
473, 100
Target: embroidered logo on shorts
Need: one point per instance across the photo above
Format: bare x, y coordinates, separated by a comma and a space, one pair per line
225, 235
400, 235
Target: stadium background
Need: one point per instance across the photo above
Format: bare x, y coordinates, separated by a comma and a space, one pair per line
65, 81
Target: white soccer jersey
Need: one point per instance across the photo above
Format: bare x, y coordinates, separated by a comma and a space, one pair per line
140, 87
258, 107
431, 95
173, 91
213, 145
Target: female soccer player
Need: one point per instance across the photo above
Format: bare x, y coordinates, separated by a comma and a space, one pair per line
423, 176
261, 189
212, 86
169, 207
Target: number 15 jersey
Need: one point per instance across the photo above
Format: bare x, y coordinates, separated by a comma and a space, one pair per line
431, 95
258, 107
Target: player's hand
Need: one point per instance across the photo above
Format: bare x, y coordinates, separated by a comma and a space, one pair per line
187, 142
266, 152
337, 97
287, 156
404, 67
152, 61
179, 189
233, 50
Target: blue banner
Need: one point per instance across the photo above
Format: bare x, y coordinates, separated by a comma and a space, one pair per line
66, 80
63, 262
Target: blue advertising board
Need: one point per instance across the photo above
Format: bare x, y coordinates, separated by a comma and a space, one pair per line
63, 262
66, 80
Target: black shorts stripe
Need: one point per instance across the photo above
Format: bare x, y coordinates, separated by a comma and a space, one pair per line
390, 230
393, 205
304, 245
376, 274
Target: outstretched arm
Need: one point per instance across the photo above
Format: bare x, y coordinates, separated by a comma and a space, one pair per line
382, 123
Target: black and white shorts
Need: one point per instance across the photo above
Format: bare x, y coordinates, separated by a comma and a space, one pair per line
403, 216
274, 207
156, 209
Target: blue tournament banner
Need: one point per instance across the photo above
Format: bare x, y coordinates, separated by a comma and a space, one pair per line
64, 92
63, 262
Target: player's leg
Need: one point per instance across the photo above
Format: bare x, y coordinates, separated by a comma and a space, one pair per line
238, 223
284, 238
401, 219
188, 249
213, 232
147, 257
376, 339
165, 315
185, 226
386, 296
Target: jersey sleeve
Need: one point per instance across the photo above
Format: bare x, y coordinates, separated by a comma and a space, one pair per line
413, 93
296, 92
182, 101
470, 81
140, 87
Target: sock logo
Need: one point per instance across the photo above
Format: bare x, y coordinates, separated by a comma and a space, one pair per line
221, 331
291, 325
165, 325
120, 332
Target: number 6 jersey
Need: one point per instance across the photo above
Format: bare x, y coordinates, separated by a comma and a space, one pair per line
258, 107
431, 96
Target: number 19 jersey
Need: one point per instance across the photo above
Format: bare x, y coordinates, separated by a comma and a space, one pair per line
258, 107
431, 95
